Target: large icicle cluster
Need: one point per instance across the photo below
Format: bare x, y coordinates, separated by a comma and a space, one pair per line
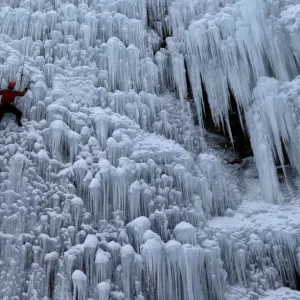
230, 48
273, 123
106, 193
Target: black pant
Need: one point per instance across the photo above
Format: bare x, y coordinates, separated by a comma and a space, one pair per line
10, 108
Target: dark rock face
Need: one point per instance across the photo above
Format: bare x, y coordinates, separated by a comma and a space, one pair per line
241, 142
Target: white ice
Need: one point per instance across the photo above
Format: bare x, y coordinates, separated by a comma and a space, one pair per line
110, 191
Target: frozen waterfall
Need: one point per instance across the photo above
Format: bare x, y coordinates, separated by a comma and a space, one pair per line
110, 191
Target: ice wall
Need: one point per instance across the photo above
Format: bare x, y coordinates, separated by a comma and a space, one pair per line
106, 192
232, 47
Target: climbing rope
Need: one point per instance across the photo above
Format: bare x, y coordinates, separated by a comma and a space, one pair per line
0, 25
5, 16
26, 44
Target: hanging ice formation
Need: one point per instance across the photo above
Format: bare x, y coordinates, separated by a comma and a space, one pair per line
109, 193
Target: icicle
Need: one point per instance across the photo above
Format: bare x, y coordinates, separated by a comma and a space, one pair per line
57, 140
114, 249
73, 143
134, 200
103, 289
85, 134
185, 233
105, 176
192, 266
173, 278
119, 191
17, 164
212, 169
79, 281
86, 34
76, 208
147, 196
51, 259
101, 121
103, 265
80, 169
149, 234
216, 276
241, 264
153, 256
90, 245
264, 159
127, 258
136, 230
94, 202
86, 183
179, 77
159, 223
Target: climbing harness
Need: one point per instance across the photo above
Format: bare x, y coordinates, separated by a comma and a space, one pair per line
26, 44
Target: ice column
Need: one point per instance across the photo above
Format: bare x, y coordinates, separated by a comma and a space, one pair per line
79, 281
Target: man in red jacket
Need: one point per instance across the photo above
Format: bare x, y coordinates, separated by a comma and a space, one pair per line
7, 102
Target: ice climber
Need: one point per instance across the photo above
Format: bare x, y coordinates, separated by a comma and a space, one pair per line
8, 99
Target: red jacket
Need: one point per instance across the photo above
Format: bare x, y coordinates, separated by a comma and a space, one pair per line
8, 96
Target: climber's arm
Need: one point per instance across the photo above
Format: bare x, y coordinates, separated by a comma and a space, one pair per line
19, 93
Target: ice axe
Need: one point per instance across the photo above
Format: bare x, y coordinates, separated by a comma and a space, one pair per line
21, 79
28, 85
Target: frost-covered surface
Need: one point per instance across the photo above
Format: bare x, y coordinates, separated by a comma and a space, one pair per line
109, 192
